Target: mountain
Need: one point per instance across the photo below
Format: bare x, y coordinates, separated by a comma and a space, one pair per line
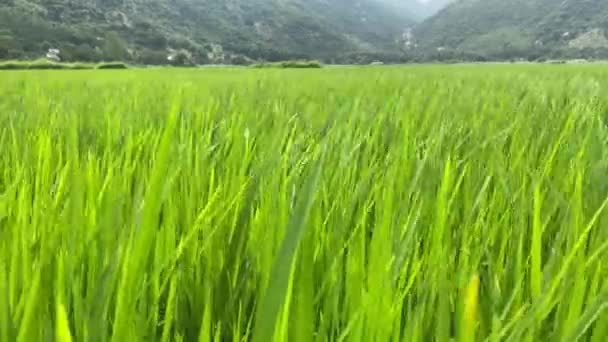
148, 31
502, 29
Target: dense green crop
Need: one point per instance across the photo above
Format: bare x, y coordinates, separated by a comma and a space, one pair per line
344, 204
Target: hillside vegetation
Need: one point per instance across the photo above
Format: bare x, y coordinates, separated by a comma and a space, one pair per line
530, 29
199, 31
186, 32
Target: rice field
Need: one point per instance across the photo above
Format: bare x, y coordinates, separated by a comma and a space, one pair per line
422, 203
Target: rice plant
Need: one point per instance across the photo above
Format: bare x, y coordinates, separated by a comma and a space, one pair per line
428, 203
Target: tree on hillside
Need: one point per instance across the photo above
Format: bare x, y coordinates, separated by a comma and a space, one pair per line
152, 57
115, 48
79, 53
6, 43
181, 58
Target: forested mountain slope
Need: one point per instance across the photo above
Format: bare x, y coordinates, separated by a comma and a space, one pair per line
519, 28
340, 31
204, 30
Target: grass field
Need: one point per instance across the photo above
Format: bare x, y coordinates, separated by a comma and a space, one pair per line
427, 203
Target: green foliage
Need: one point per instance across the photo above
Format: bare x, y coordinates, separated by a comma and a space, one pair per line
152, 57
6, 43
83, 53
290, 65
115, 48
240, 60
11, 65
112, 65
429, 203
181, 58
43, 64
46, 65
370, 57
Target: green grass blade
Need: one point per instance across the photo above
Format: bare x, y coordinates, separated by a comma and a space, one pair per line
269, 308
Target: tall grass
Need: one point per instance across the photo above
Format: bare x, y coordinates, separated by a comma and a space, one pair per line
396, 204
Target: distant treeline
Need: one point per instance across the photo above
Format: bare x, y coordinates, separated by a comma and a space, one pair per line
50, 65
291, 65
